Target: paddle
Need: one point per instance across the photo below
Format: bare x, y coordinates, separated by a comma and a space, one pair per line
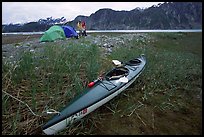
123, 80
116, 62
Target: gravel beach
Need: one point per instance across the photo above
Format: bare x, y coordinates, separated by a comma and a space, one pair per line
14, 45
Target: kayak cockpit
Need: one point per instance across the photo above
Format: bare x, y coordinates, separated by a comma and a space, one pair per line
134, 62
117, 73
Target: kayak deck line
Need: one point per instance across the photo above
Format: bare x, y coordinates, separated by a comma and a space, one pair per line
105, 83
104, 90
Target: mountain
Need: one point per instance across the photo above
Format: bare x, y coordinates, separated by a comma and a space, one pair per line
169, 15
40, 25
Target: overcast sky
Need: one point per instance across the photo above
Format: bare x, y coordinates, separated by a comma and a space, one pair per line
23, 12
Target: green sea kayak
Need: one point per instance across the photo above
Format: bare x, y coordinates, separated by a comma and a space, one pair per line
97, 93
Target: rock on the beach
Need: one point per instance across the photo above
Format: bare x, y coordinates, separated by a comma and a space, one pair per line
107, 43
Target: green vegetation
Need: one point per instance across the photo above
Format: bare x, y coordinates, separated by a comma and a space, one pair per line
165, 99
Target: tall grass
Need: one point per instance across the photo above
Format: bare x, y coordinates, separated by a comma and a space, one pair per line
172, 78
52, 77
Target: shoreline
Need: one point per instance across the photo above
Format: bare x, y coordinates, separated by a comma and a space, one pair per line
10, 38
111, 31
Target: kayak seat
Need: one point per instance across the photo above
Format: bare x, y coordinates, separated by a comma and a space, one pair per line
117, 73
133, 62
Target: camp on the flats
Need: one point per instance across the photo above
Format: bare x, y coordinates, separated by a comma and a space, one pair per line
58, 32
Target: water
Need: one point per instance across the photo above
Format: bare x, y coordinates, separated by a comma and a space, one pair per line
133, 31
112, 31
23, 33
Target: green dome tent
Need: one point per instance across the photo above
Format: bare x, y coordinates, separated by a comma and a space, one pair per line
53, 33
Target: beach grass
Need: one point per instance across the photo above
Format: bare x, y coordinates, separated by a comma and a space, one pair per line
165, 99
